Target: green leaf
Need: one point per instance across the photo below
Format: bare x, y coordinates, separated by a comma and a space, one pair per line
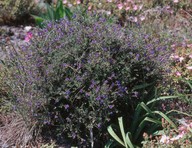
128, 140
122, 130
152, 120
135, 118
142, 125
179, 112
142, 86
158, 133
166, 118
161, 98
60, 12
110, 144
113, 134
38, 20
50, 13
68, 13
139, 129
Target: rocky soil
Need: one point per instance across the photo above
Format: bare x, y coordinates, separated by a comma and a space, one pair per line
12, 36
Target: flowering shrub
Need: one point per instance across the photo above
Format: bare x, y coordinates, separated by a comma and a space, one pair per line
181, 72
78, 75
182, 61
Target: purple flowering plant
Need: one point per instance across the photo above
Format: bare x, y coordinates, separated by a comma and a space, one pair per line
76, 77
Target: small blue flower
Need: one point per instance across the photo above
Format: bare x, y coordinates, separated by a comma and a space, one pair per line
66, 106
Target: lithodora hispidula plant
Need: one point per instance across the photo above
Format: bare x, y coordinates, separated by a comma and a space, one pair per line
77, 76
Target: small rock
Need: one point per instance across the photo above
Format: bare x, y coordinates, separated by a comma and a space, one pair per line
27, 28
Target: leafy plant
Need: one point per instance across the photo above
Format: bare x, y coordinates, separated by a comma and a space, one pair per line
53, 13
144, 120
72, 69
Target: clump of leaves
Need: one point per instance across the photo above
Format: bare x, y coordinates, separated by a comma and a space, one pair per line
79, 75
53, 13
145, 119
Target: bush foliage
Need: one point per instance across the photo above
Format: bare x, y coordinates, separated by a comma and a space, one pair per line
14, 11
77, 76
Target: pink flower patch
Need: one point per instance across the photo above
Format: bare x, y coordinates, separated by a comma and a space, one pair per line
178, 73
120, 6
189, 67
64, 1
28, 36
181, 59
78, 2
175, 1
142, 18
165, 139
135, 7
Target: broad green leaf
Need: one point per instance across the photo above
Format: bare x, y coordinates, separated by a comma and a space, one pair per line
161, 98
136, 118
152, 120
59, 12
114, 135
122, 130
142, 125
50, 12
139, 129
68, 13
39, 20
128, 140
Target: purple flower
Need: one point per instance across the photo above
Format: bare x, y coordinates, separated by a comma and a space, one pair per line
111, 106
74, 135
137, 57
97, 89
99, 125
67, 92
66, 106
98, 98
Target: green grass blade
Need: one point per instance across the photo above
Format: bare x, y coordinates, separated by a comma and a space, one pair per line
110, 144
161, 98
152, 120
136, 118
120, 119
142, 125
128, 140
179, 112
166, 118
114, 135
147, 109
187, 81
139, 129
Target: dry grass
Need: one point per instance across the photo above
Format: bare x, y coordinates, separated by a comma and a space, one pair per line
14, 131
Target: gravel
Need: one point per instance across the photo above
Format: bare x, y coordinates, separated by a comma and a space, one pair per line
12, 36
